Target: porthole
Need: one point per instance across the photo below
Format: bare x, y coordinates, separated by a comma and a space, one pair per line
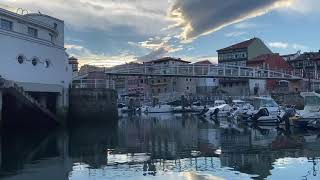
21, 59
35, 61
47, 63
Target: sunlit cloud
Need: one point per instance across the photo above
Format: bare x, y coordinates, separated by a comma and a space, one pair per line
197, 18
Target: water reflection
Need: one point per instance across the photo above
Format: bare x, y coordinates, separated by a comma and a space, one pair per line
162, 146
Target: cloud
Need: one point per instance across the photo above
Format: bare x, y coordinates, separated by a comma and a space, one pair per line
299, 47
245, 25
159, 46
197, 18
235, 34
155, 54
86, 56
279, 45
284, 45
143, 16
305, 6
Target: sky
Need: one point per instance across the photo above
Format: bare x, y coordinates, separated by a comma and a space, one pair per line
112, 32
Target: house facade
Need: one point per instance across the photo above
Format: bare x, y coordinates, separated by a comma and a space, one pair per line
166, 86
238, 55
270, 62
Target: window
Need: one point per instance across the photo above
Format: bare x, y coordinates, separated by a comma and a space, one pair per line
32, 32
35, 61
21, 59
51, 37
6, 25
47, 63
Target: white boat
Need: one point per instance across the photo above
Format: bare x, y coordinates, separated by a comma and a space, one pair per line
222, 110
159, 109
311, 109
238, 103
310, 115
267, 103
181, 109
219, 102
196, 108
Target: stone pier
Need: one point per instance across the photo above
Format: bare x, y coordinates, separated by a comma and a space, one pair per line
93, 104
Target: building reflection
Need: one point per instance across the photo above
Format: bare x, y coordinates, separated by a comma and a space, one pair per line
36, 157
149, 144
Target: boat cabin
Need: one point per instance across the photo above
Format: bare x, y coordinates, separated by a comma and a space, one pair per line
265, 102
311, 101
219, 102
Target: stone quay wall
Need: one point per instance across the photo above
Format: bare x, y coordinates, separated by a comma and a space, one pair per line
93, 104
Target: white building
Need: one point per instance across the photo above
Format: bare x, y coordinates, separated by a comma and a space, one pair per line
33, 55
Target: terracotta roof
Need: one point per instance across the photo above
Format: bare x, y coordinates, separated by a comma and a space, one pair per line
264, 57
241, 45
315, 56
168, 59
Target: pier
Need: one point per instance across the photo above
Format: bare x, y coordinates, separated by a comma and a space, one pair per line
22, 97
93, 99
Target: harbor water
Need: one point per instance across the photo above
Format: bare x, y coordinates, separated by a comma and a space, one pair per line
161, 147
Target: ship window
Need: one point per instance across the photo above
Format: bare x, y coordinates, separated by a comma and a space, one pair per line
6, 25
21, 59
32, 32
35, 61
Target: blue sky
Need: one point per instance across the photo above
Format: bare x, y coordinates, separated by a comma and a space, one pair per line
110, 32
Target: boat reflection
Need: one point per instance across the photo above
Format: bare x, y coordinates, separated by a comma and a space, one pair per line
158, 145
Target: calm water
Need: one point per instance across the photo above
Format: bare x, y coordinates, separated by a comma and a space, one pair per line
161, 147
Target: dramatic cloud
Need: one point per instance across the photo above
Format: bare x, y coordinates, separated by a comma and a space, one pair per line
144, 16
198, 18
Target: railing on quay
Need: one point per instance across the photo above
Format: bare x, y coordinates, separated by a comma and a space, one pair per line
93, 84
204, 71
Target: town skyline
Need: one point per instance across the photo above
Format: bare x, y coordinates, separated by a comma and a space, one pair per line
144, 31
